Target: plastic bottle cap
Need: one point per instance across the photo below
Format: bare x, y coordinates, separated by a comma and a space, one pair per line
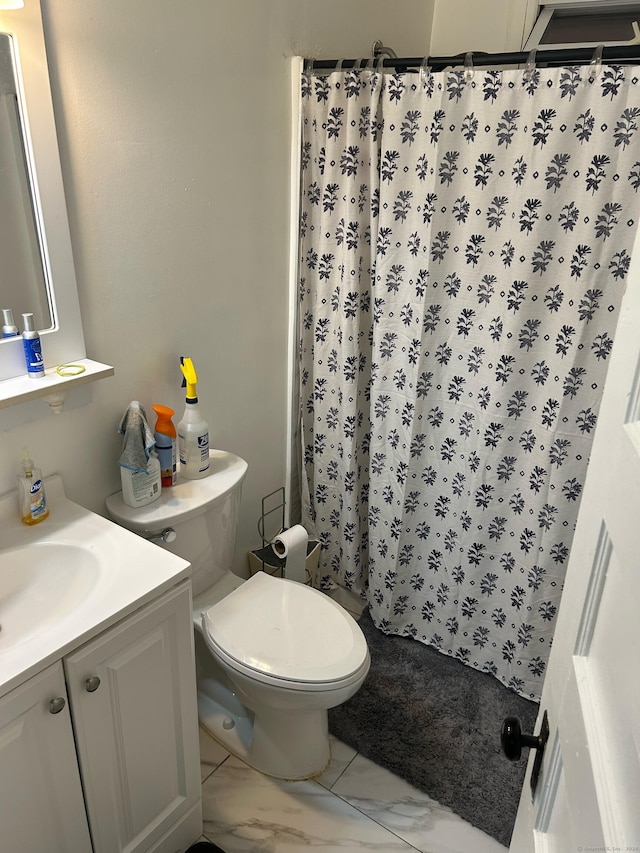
163, 411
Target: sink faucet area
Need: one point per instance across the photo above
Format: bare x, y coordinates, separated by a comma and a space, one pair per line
67, 578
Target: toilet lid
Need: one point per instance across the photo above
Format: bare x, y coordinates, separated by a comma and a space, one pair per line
286, 630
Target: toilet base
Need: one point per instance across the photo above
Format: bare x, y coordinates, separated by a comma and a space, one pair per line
291, 746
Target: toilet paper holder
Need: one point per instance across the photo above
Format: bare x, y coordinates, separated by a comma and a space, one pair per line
271, 525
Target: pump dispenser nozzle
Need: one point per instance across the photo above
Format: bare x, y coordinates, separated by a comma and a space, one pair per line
27, 462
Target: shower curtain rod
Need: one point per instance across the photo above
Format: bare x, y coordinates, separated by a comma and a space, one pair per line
543, 57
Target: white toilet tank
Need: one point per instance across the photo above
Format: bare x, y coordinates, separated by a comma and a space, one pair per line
203, 513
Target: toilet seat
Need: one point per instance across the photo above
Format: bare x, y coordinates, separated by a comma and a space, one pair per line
284, 633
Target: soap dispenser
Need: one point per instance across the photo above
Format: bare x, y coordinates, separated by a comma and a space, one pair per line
31, 496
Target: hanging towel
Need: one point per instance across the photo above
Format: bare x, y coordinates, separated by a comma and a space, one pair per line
138, 438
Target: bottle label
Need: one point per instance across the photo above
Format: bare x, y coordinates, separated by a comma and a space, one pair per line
144, 486
166, 450
203, 444
194, 454
33, 355
37, 500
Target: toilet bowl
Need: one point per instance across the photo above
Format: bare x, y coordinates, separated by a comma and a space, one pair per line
272, 655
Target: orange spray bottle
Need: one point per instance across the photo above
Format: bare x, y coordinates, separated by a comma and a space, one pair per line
165, 436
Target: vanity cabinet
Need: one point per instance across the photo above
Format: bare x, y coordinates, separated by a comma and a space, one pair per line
132, 699
41, 804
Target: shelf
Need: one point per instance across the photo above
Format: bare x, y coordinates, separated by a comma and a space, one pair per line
52, 387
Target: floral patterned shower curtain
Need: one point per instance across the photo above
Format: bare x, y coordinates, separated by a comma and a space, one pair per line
464, 247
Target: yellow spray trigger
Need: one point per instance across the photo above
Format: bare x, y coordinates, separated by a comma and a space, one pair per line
190, 377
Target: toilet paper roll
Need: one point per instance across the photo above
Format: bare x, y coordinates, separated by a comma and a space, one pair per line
291, 545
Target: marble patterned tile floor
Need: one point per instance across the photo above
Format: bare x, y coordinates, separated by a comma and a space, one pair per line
353, 807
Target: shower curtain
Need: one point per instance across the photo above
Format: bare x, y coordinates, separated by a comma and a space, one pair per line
464, 245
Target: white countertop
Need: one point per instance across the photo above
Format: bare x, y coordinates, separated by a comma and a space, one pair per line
126, 573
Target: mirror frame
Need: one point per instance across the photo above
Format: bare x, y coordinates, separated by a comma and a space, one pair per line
64, 341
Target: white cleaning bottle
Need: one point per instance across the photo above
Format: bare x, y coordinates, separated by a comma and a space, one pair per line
193, 430
140, 488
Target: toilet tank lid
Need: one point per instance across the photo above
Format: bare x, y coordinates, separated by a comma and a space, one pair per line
287, 630
187, 499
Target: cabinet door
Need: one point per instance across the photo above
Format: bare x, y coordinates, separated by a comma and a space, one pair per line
41, 804
133, 698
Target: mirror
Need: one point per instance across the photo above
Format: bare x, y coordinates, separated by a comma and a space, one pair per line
23, 285
40, 277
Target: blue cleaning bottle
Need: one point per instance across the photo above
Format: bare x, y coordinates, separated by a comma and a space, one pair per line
32, 348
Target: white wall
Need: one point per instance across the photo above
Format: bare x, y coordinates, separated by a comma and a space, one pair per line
484, 25
174, 127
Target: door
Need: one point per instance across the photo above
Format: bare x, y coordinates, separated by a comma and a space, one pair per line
41, 804
588, 792
133, 697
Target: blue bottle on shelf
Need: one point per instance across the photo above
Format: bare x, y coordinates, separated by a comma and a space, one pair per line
9, 328
32, 348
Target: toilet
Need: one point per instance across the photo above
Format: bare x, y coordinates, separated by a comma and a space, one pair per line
272, 655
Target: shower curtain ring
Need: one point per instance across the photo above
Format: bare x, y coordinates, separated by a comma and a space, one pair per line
371, 64
424, 71
468, 67
596, 63
530, 67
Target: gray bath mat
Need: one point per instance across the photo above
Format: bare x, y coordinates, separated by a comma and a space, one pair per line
436, 723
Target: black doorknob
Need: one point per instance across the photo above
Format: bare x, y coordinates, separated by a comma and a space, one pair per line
512, 739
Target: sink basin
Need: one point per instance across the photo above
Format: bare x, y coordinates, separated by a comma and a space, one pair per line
41, 584
67, 579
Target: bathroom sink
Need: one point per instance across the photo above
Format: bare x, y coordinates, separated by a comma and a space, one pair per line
67, 579
40, 584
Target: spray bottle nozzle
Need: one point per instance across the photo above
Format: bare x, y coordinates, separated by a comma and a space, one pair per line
190, 378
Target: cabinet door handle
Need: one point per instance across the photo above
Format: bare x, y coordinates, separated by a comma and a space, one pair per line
56, 705
91, 684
